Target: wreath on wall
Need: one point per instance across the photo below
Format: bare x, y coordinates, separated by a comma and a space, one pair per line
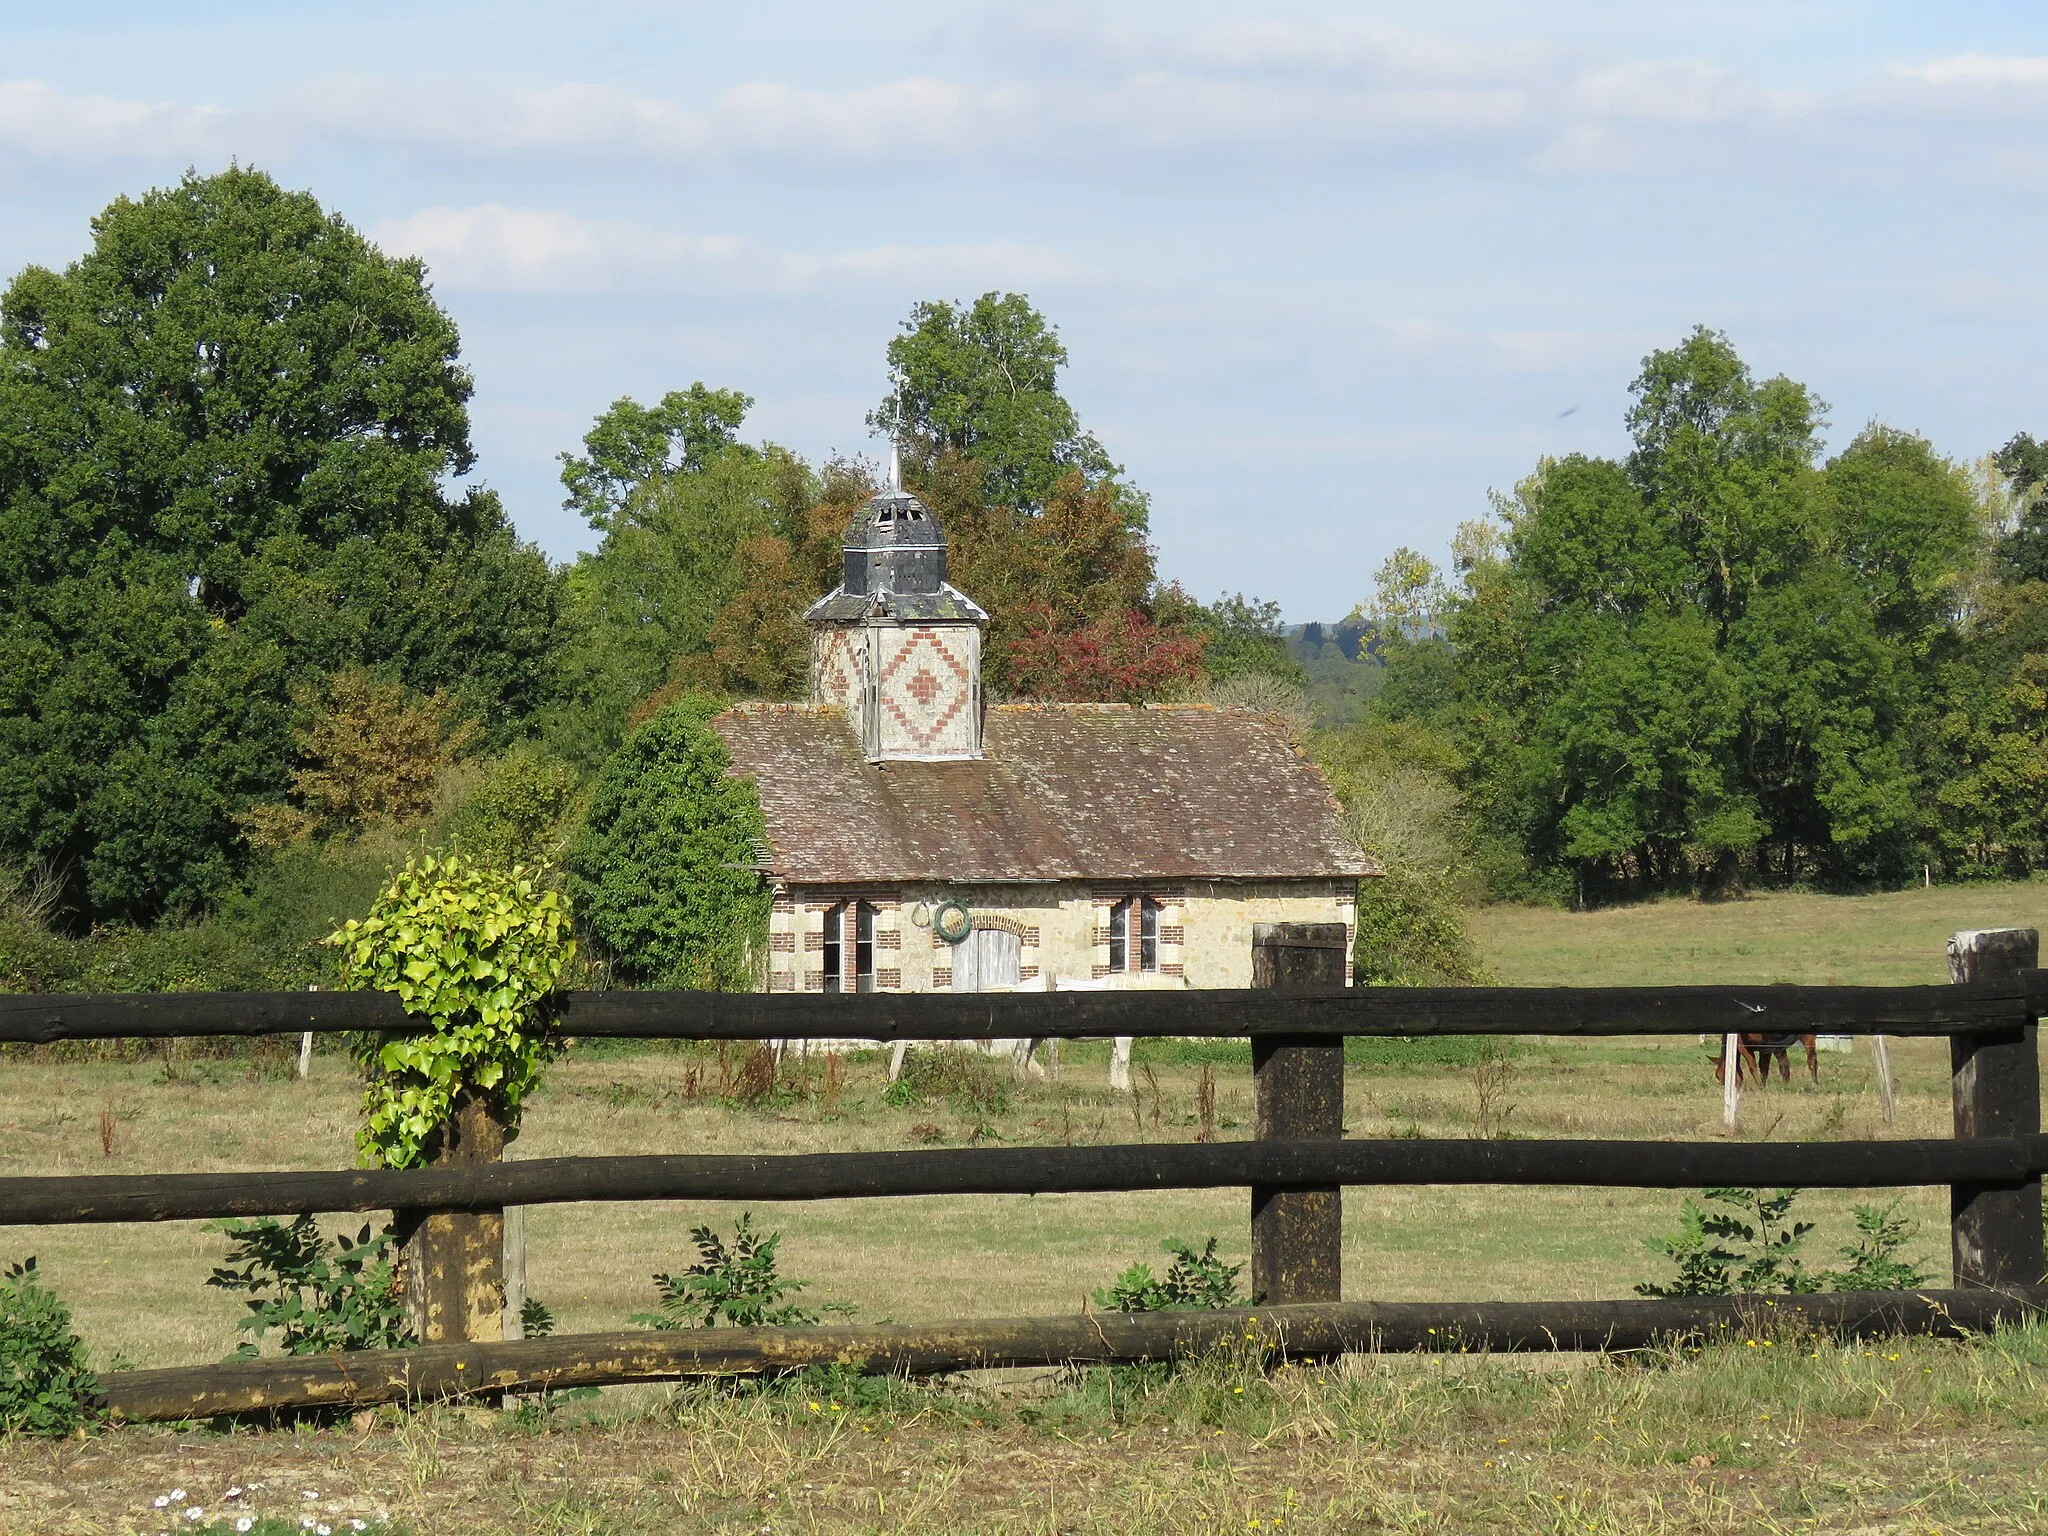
952, 922
474, 951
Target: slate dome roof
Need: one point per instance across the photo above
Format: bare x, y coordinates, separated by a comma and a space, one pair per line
894, 520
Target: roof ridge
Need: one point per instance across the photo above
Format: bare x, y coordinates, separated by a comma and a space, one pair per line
1020, 706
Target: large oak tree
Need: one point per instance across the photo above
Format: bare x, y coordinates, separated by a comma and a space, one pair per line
227, 435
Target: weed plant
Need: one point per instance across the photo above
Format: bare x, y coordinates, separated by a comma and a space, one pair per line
318, 1299
1752, 1245
45, 1387
1196, 1281
975, 1085
733, 1285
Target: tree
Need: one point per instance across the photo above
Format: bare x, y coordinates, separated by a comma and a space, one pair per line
374, 753
1070, 601
1240, 636
981, 381
663, 872
1123, 657
1720, 656
225, 436
646, 601
2024, 463
632, 444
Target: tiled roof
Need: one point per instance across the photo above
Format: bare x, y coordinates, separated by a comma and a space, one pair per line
840, 606
1066, 792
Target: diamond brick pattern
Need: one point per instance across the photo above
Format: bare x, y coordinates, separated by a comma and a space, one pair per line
925, 688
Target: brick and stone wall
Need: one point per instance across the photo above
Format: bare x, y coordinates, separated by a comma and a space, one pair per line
1205, 929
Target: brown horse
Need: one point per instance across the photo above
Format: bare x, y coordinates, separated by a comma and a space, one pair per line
1756, 1054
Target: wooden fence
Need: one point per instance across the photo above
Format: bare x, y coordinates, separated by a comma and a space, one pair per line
1296, 1017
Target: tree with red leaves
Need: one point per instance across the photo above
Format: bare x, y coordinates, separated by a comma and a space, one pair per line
1122, 656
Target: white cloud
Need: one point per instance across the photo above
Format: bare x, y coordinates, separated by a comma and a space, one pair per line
496, 248
37, 119
1104, 97
1978, 69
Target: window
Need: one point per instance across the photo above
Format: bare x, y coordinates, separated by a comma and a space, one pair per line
835, 934
1134, 950
863, 947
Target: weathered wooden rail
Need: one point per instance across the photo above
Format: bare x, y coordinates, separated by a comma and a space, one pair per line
1296, 1017
1407, 1012
1300, 1332
67, 1199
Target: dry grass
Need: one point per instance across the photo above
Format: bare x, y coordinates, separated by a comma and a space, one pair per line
1943, 1438
1792, 1435
139, 1291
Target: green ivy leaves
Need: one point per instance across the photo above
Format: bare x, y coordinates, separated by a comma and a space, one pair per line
474, 950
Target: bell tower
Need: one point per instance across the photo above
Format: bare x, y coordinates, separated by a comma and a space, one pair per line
896, 646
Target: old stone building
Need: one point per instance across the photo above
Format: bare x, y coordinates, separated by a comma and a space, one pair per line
920, 839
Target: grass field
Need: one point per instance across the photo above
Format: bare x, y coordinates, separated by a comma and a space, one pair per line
1393, 1445
1893, 939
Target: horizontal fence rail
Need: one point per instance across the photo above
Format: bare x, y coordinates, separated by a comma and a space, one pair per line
1298, 1332
459, 1254
1971, 1009
93, 1198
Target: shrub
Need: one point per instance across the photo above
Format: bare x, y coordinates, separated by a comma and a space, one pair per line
1196, 1282
735, 1285
517, 811
475, 952
663, 872
319, 1301
45, 1388
1411, 930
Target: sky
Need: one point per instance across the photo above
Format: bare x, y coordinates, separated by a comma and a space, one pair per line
1326, 273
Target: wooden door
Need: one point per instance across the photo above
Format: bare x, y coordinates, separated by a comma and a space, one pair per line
987, 958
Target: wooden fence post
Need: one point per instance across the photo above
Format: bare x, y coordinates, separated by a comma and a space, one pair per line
1298, 1095
454, 1261
1995, 1229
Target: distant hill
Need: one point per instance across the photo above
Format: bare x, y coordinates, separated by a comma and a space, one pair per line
1344, 670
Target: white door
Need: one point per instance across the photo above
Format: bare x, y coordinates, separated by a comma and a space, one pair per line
987, 958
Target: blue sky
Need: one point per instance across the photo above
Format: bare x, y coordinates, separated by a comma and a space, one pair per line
1327, 272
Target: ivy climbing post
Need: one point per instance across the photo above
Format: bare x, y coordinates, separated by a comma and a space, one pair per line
475, 954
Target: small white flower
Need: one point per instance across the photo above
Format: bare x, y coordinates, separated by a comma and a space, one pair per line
177, 1494
323, 1530
358, 1525
232, 1493
163, 1501
245, 1522
195, 1514
308, 1495
306, 1522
